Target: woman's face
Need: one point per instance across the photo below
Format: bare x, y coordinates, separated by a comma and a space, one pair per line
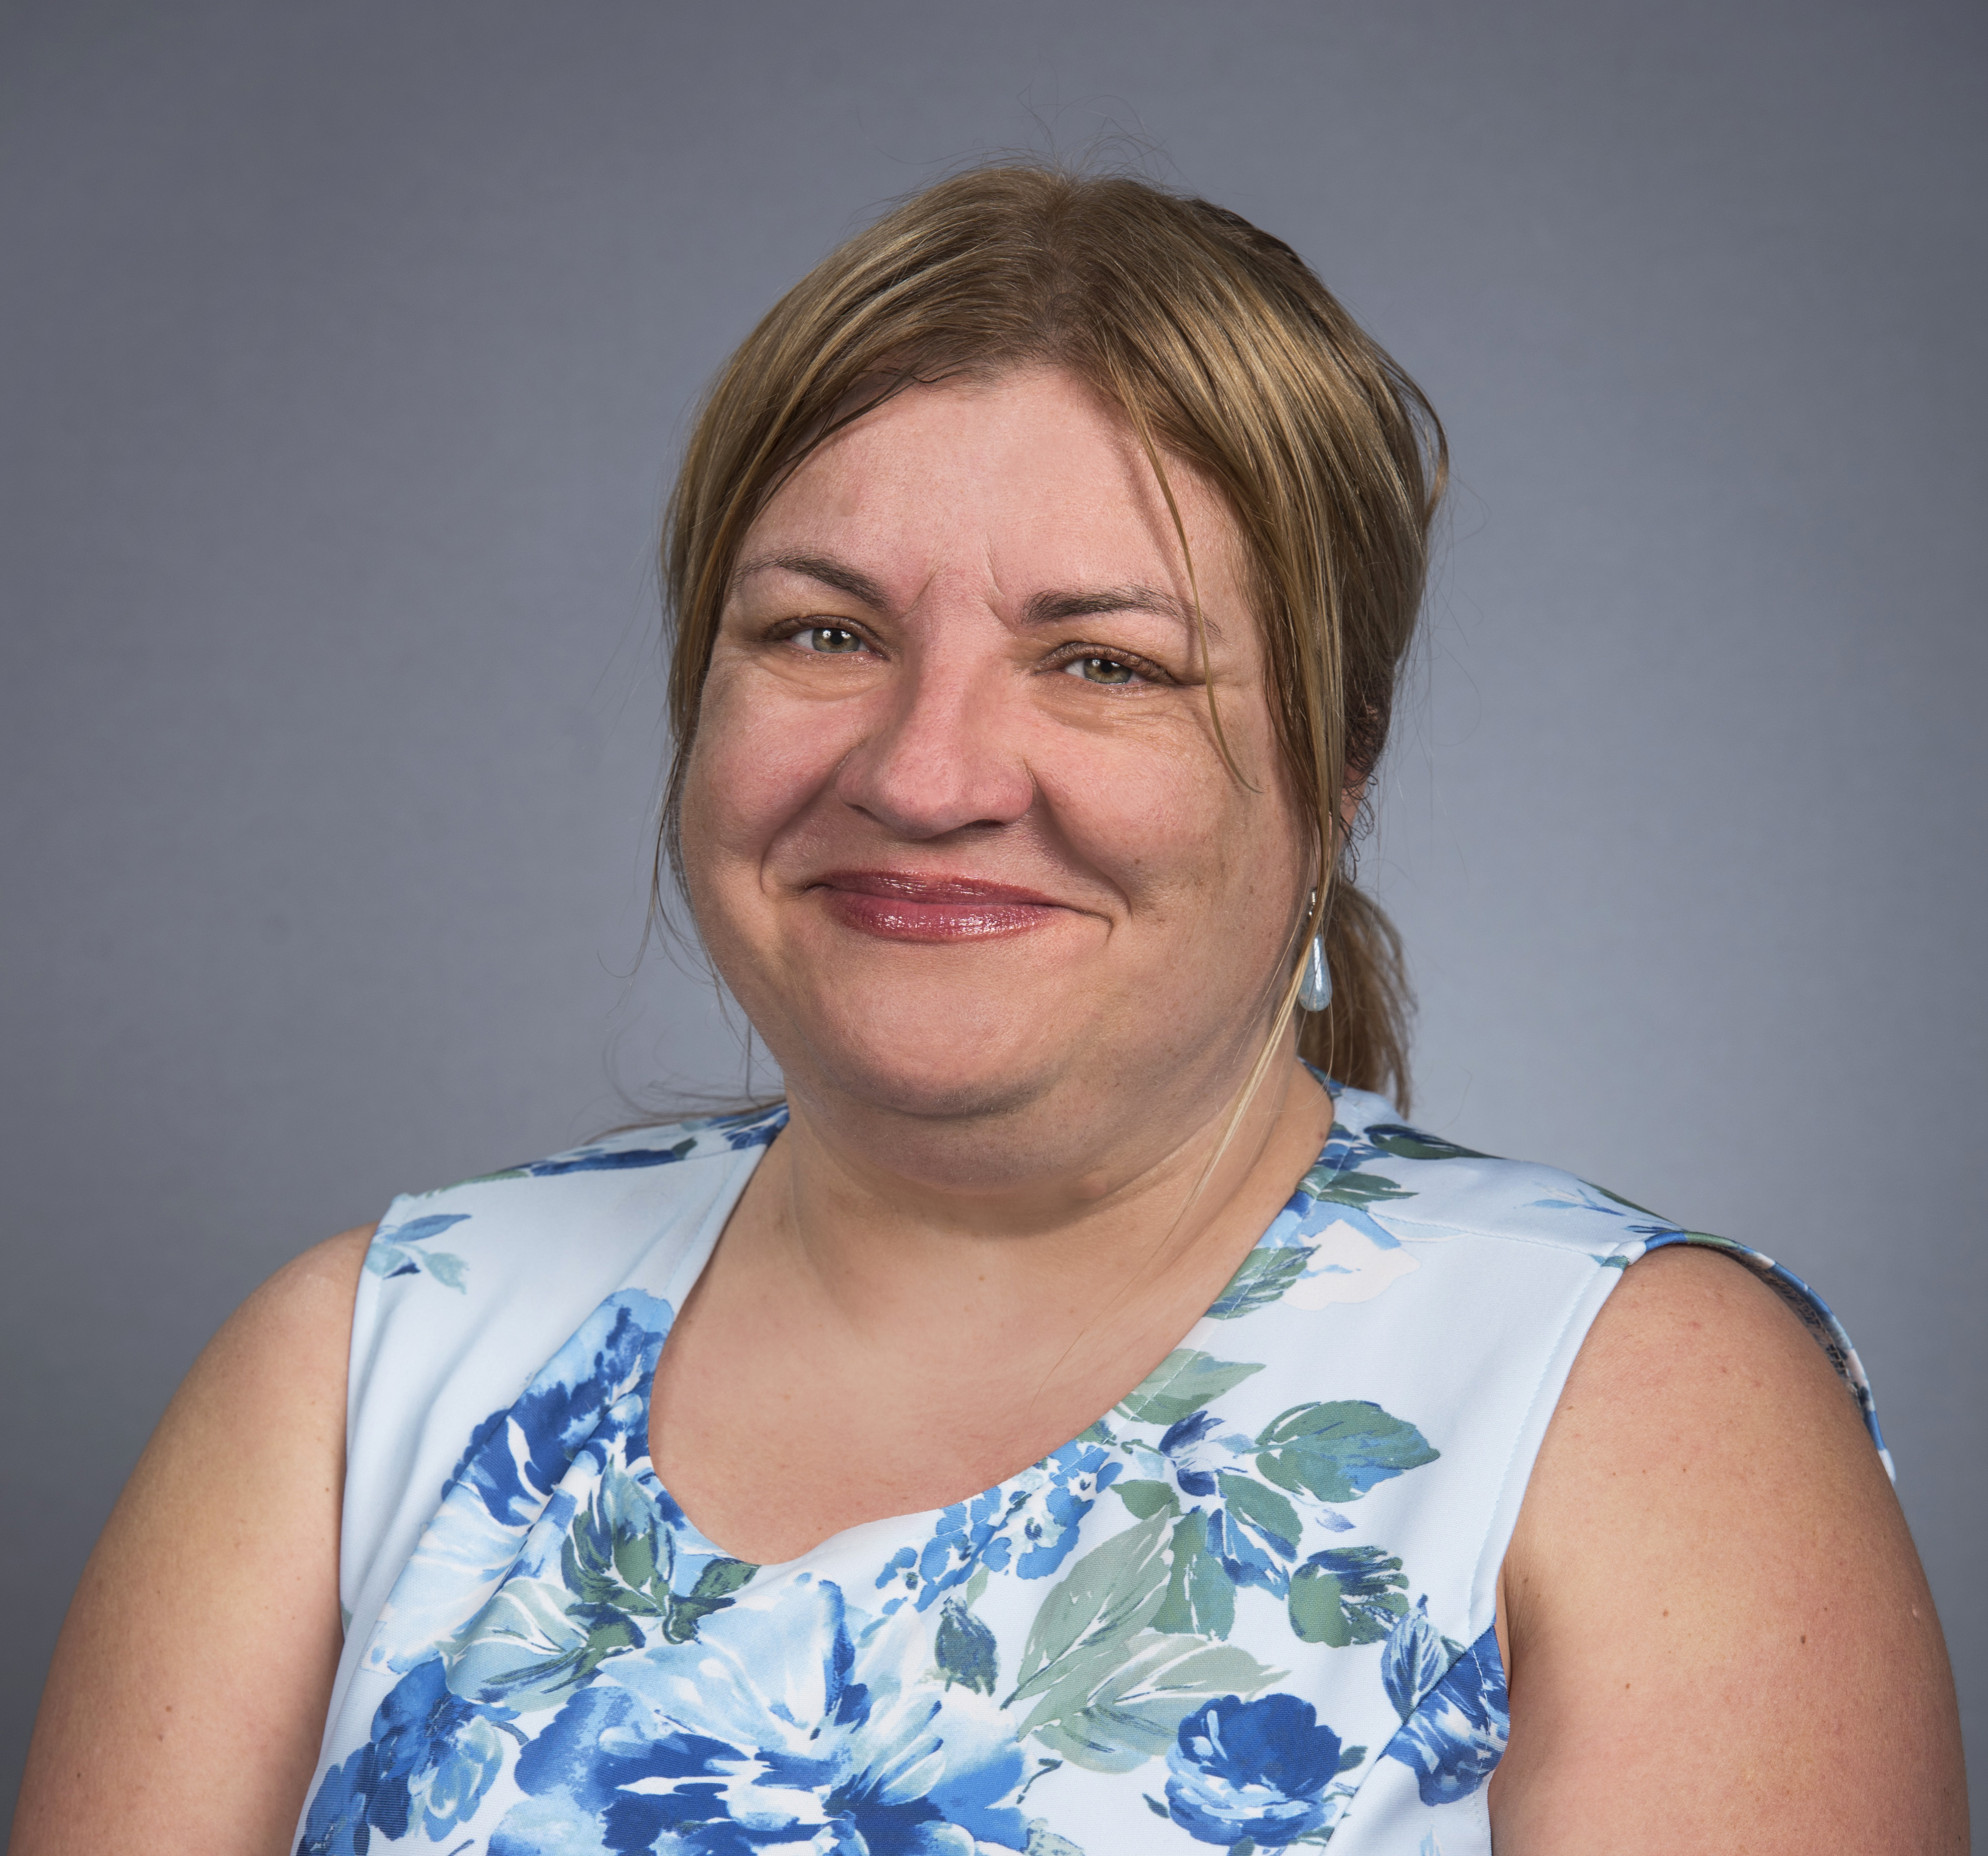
957, 828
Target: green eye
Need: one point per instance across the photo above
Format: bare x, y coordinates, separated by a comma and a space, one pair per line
833, 641
1099, 670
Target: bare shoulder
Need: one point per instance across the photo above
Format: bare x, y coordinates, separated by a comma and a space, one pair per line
188, 1692
1711, 1577
275, 1370
1691, 1332
293, 1325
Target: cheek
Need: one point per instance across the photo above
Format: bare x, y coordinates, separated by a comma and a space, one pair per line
1189, 845
753, 770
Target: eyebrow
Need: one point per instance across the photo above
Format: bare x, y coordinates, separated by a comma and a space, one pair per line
1046, 609
1051, 608
821, 568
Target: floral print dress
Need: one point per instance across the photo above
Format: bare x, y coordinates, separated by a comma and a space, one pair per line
1250, 1607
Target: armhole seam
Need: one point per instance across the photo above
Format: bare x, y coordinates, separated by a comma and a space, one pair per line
1815, 1314
1555, 1365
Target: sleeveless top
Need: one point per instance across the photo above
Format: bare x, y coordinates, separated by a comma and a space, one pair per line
1251, 1606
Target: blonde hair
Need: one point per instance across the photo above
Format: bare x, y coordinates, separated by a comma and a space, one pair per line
1220, 348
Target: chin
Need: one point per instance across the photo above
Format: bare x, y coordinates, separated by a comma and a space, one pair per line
950, 1057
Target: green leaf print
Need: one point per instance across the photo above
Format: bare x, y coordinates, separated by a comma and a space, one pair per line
1113, 1707
1044, 1841
1357, 1189
1111, 1592
967, 1651
1411, 1143
1102, 1683
603, 1567
1264, 1508
610, 1562
1263, 1276
713, 1592
528, 1645
1200, 1596
446, 1267
1183, 1383
635, 1560
386, 1259
1338, 1449
1146, 1499
1347, 1595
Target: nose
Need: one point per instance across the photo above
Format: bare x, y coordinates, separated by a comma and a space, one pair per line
946, 755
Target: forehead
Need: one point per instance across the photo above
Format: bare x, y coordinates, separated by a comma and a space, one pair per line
1030, 475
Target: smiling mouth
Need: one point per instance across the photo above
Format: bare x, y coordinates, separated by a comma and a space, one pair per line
901, 905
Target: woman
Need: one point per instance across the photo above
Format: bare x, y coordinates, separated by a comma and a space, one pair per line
1069, 1422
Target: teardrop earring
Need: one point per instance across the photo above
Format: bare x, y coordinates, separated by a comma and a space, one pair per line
1315, 989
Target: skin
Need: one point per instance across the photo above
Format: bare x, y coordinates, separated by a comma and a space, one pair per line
959, 647
188, 1693
1719, 1635
970, 1216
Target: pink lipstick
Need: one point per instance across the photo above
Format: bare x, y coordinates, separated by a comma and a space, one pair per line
907, 906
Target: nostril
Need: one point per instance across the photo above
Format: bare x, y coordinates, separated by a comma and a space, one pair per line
926, 781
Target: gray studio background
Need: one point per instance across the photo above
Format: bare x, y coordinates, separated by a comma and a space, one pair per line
344, 350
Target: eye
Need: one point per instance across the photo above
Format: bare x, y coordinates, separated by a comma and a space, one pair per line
1094, 669
831, 641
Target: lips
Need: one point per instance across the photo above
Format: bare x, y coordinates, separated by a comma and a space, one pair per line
903, 906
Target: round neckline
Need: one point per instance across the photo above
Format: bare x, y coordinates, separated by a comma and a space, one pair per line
1331, 1161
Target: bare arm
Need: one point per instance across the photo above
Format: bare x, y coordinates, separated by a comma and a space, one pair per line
1720, 1639
188, 1696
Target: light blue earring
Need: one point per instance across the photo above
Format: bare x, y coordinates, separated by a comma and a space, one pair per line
1315, 989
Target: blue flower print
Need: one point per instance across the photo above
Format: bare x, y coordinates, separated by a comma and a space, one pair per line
600, 1159
601, 1574
1028, 1525
590, 1395
1187, 1610
431, 1759
1453, 1741
754, 1128
1414, 1658
1262, 1769
589, 1401
788, 1724
1196, 1456
1252, 1530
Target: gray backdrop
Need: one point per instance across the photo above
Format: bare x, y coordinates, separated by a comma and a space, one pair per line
346, 348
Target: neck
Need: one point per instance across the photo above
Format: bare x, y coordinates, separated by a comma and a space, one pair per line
1142, 1218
